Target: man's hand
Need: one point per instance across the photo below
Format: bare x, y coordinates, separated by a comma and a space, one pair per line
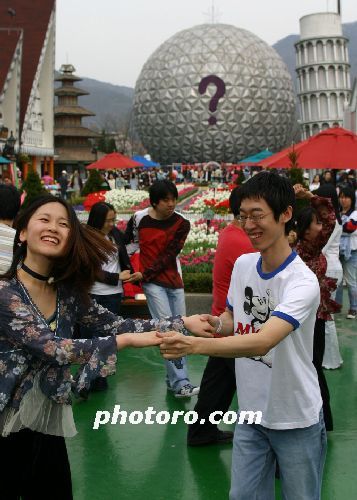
175, 345
199, 325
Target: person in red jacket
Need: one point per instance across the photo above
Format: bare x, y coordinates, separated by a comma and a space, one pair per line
218, 383
160, 233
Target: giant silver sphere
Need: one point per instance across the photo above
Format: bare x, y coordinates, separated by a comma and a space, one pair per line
213, 92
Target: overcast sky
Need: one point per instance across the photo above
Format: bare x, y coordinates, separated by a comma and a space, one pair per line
110, 40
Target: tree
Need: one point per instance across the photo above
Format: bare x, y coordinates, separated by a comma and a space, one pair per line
296, 176
295, 173
94, 183
32, 186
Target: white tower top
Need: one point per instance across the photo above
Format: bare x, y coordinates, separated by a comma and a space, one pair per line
322, 24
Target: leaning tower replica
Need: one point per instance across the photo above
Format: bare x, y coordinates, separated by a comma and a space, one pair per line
323, 72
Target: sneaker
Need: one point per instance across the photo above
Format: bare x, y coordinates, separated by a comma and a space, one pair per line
187, 391
351, 314
222, 437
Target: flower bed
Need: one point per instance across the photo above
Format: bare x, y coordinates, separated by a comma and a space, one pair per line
215, 199
93, 198
125, 199
129, 200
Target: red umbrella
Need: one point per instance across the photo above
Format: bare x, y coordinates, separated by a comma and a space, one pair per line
114, 161
333, 148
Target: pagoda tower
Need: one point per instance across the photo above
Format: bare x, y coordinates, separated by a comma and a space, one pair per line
73, 147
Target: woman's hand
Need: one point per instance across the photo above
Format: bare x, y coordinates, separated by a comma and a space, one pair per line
124, 275
301, 193
200, 324
145, 339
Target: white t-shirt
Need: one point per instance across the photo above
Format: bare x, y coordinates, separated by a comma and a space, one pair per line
283, 385
7, 236
332, 252
112, 266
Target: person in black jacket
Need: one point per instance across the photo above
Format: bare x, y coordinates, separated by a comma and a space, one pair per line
108, 289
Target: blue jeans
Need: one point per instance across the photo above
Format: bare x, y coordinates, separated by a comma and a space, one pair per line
350, 276
299, 452
164, 302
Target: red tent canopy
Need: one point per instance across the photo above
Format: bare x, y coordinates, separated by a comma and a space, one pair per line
333, 148
114, 161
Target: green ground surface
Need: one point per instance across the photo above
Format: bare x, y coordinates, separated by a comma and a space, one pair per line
134, 462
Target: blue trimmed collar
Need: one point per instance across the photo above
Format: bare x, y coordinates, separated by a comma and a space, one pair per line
268, 276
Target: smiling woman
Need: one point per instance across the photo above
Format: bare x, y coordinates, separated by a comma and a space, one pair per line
43, 301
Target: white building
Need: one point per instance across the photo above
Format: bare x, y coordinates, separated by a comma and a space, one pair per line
27, 42
323, 72
350, 116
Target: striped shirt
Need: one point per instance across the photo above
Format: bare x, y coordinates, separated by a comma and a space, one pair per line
7, 235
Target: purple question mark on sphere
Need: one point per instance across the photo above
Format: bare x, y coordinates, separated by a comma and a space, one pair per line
221, 90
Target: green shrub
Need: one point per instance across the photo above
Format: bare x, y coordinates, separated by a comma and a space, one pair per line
77, 200
197, 282
94, 183
33, 187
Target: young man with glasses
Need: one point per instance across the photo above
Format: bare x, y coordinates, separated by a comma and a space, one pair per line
271, 308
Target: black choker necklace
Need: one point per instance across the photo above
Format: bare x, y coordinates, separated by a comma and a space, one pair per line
37, 275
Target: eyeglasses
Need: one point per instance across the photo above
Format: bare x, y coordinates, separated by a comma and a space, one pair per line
110, 220
254, 218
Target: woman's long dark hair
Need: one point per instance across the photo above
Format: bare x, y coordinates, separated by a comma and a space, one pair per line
98, 214
303, 221
85, 252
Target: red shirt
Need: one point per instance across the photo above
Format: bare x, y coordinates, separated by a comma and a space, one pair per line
160, 243
232, 243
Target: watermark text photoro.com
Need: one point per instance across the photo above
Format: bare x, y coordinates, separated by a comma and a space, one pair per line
151, 416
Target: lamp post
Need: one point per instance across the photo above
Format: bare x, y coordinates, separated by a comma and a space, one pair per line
208, 215
9, 153
9, 148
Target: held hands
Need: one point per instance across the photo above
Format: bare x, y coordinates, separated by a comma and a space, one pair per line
202, 325
126, 277
135, 277
175, 345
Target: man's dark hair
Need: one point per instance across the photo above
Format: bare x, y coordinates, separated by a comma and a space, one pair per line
98, 214
277, 192
161, 190
234, 203
10, 201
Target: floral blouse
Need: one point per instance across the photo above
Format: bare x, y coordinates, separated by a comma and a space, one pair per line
311, 254
30, 346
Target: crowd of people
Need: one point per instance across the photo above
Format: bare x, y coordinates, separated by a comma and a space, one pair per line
277, 282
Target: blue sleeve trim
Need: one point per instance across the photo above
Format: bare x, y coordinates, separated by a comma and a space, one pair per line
229, 306
287, 318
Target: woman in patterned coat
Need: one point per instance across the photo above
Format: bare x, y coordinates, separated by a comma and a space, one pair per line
43, 298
